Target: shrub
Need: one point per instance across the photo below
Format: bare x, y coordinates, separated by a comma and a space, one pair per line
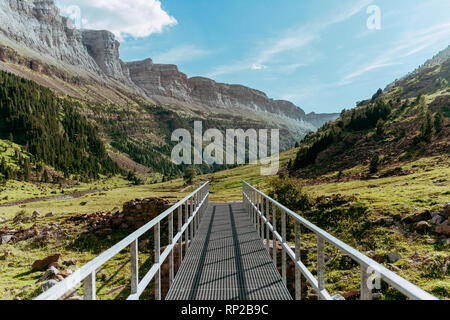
289, 193
374, 163
189, 176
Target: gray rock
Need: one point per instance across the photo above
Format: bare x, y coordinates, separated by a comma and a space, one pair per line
5, 239
2, 220
50, 214
437, 219
49, 274
423, 216
48, 285
446, 211
422, 226
36, 213
434, 213
394, 257
338, 297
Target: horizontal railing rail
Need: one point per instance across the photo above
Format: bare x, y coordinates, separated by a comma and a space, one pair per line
195, 206
259, 206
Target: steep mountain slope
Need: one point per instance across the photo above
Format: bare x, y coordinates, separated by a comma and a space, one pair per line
136, 105
408, 120
52, 131
37, 31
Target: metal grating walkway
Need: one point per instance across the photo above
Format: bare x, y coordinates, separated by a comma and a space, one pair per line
227, 261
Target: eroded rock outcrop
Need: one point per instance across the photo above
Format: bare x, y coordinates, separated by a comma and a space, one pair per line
50, 42
38, 26
104, 48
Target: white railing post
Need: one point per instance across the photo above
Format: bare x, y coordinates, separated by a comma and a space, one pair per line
157, 261
267, 224
298, 275
252, 199
186, 232
366, 292
191, 226
197, 203
320, 264
171, 256
90, 287
274, 221
283, 253
134, 266
255, 214
262, 226
180, 241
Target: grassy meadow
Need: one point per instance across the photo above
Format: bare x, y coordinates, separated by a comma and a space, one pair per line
425, 188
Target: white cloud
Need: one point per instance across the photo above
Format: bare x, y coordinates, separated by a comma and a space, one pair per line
257, 66
181, 54
137, 18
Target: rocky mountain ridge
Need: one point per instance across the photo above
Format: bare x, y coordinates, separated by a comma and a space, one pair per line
36, 28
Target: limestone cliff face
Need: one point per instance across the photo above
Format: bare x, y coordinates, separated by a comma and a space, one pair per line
104, 48
36, 28
166, 81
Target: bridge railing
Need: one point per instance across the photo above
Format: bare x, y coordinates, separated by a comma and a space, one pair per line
194, 208
259, 206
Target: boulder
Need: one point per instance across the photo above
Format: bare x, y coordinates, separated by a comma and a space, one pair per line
338, 297
66, 273
36, 213
423, 216
70, 262
435, 213
394, 257
48, 285
437, 219
2, 220
50, 214
59, 278
45, 263
446, 211
422, 226
5, 239
443, 229
378, 258
55, 265
51, 273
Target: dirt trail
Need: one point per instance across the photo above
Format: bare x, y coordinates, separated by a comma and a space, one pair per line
60, 197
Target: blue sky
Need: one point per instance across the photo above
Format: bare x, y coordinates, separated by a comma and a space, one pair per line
318, 54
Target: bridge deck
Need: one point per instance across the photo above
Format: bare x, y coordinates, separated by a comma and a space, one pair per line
227, 261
